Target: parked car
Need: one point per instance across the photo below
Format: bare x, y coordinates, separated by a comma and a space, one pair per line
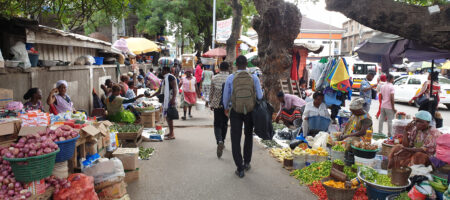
406, 87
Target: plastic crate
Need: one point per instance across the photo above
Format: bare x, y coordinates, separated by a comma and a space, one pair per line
98, 60
67, 148
33, 168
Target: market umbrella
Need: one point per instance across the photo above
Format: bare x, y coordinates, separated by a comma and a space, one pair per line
141, 45
121, 44
250, 57
217, 52
446, 65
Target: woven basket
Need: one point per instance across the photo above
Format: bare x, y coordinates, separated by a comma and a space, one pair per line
67, 148
130, 136
33, 168
386, 149
338, 194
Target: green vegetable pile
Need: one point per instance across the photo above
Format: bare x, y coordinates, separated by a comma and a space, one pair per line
402, 196
270, 143
338, 161
144, 153
438, 185
277, 126
127, 128
349, 171
313, 172
338, 147
373, 176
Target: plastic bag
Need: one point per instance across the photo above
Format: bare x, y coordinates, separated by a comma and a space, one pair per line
399, 125
320, 140
81, 187
105, 170
20, 54
422, 171
443, 148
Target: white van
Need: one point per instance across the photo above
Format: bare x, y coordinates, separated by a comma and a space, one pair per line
359, 70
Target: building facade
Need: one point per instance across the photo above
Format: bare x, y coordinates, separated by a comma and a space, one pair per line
354, 33
315, 32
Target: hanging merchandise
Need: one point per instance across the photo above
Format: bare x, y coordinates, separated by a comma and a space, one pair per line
339, 77
321, 82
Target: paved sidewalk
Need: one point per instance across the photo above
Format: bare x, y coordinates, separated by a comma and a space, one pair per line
187, 168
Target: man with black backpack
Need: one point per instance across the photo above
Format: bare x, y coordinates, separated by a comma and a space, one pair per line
216, 104
241, 90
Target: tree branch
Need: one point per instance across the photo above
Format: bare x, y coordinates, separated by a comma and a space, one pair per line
408, 21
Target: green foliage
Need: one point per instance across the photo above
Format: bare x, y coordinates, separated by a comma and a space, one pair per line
69, 14
425, 2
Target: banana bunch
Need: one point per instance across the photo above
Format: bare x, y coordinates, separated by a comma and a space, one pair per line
280, 153
438, 185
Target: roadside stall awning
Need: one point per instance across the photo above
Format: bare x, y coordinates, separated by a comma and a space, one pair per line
389, 49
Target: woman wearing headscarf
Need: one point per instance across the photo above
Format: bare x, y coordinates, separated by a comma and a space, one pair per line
59, 99
34, 96
188, 96
290, 109
357, 126
418, 145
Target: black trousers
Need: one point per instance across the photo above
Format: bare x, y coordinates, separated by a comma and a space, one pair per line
220, 124
237, 120
334, 111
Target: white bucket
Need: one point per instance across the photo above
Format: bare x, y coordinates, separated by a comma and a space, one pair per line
200, 105
365, 161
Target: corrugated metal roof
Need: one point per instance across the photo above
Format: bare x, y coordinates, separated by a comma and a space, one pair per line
72, 35
310, 24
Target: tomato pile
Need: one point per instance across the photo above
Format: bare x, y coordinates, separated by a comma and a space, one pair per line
317, 189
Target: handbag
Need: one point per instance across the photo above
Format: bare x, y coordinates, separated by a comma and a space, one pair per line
160, 98
374, 94
422, 99
172, 113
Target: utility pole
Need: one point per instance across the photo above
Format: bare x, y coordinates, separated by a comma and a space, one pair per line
214, 25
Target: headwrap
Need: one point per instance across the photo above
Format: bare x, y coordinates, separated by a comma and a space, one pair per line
357, 104
383, 78
61, 82
189, 70
424, 115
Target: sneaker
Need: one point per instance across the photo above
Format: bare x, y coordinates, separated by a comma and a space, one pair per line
240, 174
220, 148
247, 166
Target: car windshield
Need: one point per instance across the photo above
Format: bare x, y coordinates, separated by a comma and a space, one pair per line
363, 68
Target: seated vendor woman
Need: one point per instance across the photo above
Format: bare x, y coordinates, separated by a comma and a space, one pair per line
358, 123
313, 109
419, 143
34, 96
59, 99
290, 109
114, 106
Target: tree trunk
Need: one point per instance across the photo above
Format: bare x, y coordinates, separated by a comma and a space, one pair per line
408, 21
277, 25
235, 31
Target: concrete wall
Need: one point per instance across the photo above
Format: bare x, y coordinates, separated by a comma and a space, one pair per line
81, 81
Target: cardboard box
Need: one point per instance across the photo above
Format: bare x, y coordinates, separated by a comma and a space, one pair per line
91, 148
6, 96
115, 191
131, 175
8, 127
128, 156
106, 184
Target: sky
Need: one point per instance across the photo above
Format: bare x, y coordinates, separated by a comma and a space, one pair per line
318, 12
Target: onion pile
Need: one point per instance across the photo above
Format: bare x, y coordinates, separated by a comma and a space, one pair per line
9, 187
62, 133
57, 183
31, 145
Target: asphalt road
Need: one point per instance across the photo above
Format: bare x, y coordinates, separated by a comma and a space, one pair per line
187, 168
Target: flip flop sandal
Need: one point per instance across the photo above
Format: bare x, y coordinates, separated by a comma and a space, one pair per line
169, 138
